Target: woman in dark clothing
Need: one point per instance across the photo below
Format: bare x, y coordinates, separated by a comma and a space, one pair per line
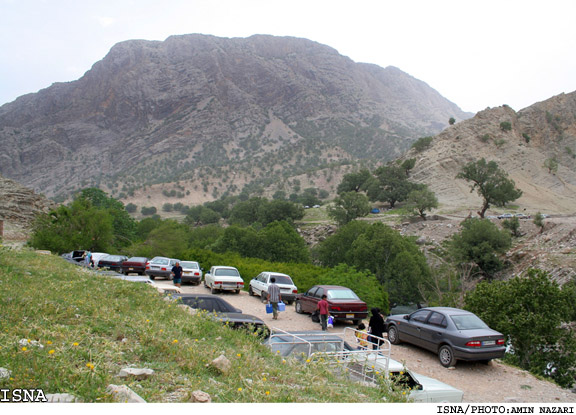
376, 328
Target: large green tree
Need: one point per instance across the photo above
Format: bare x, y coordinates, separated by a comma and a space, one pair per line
491, 183
480, 242
390, 185
395, 260
77, 226
354, 182
530, 310
419, 201
349, 206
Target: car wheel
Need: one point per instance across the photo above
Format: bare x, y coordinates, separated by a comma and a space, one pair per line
250, 292
213, 290
446, 356
152, 277
393, 336
290, 302
205, 285
263, 297
298, 308
237, 291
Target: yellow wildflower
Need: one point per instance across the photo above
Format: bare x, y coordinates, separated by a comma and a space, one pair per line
24, 348
239, 355
90, 366
75, 344
239, 389
267, 392
48, 342
175, 341
52, 351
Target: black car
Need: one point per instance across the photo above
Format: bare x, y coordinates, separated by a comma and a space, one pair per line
135, 265
112, 262
224, 311
452, 333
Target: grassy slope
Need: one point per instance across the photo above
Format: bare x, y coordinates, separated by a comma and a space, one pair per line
93, 326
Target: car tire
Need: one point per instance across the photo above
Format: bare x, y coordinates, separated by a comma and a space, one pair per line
152, 277
205, 285
264, 297
237, 291
446, 356
393, 335
250, 292
298, 308
213, 290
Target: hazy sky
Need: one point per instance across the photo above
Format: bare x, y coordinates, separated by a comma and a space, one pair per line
477, 54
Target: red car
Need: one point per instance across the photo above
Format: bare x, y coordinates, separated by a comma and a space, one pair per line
343, 303
135, 265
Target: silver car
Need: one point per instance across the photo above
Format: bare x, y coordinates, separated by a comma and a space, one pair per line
160, 267
452, 333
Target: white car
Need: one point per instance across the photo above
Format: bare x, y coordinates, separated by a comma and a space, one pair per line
222, 278
191, 272
259, 286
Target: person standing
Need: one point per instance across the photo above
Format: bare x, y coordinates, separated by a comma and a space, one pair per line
376, 328
88, 259
177, 274
274, 297
324, 312
361, 336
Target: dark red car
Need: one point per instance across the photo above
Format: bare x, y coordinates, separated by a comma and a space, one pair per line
136, 265
343, 303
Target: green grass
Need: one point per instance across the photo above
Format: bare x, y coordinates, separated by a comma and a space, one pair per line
92, 326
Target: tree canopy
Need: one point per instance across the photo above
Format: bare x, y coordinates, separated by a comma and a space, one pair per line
349, 206
491, 183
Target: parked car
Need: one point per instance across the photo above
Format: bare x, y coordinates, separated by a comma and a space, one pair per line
259, 286
97, 256
223, 278
191, 272
112, 262
452, 333
343, 303
160, 267
361, 365
223, 311
135, 265
505, 216
522, 216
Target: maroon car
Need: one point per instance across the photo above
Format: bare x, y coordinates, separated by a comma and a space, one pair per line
343, 303
135, 265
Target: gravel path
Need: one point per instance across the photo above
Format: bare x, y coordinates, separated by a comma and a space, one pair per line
481, 383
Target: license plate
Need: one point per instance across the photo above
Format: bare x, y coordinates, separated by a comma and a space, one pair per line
349, 315
186, 273
130, 269
489, 343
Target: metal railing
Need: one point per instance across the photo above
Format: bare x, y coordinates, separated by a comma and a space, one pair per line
363, 364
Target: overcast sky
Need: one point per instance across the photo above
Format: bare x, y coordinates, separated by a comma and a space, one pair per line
475, 53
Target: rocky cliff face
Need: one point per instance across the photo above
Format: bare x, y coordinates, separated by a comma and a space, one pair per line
520, 142
240, 110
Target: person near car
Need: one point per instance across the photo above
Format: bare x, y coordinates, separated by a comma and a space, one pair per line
274, 297
376, 328
324, 312
177, 274
361, 336
88, 259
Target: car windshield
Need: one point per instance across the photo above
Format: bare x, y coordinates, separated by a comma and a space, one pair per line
227, 272
160, 262
342, 295
137, 259
283, 279
112, 258
468, 322
189, 264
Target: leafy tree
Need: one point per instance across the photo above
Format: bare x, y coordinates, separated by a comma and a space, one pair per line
539, 221
530, 311
280, 242
419, 201
349, 206
77, 226
147, 211
513, 225
201, 215
124, 226
491, 183
505, 126
391, 185
131, 208
452, 121
396, 261
408, 165
261, 211
480, 242
552, 165
422, 144
354, 182
168, 239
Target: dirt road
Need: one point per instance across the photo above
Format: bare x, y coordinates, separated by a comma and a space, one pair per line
481, 383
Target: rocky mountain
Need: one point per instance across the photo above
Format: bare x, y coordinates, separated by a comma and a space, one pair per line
522, 143
210, 115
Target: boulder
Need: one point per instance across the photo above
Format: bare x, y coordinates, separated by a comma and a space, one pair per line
138, 374
124, 394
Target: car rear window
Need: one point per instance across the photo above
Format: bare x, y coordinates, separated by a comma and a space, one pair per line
342, 295
468, 322
189, 264
161, 261
283, 279
227, 272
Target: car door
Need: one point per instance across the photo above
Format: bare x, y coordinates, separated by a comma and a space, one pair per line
309, 301
432, 332
411, 328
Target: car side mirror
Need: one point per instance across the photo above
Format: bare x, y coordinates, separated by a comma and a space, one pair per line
407, 317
